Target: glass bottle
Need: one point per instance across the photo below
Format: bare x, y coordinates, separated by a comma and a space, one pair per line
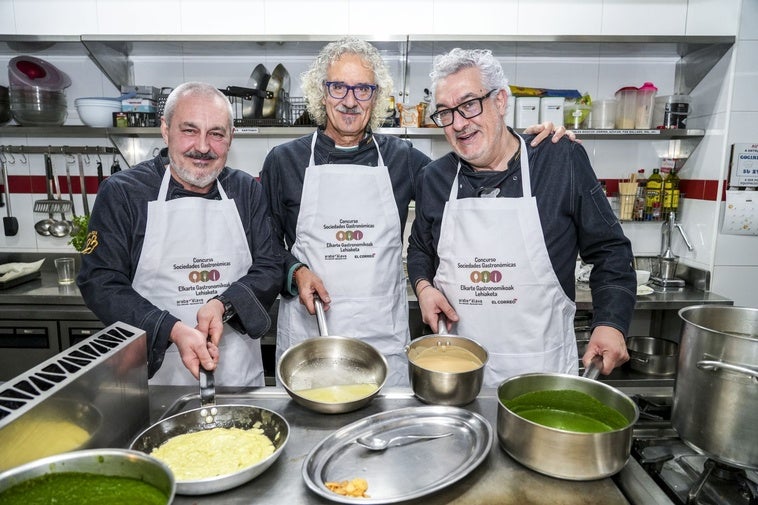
671, 192
653, 195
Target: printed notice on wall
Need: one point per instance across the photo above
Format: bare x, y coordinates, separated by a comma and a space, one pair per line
740, 213
743, 171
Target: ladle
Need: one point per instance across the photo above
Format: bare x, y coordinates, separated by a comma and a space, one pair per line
42, 227
380, 444
62, 227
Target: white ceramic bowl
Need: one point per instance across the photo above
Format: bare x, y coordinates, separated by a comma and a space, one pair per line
642, 276
97, 112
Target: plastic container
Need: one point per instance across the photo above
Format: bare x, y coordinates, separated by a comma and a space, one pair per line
676, 109
551, 109
643, 118
603, 115
575, 115
626, 107
527, 111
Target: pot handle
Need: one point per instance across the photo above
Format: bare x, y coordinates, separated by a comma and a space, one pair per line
320, 316
593, 371
714, 365
441, 325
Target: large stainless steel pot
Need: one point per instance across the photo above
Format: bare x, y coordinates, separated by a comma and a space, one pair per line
716, 392
559, 453
274, 426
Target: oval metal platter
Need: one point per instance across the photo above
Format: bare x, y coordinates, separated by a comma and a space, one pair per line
403, 472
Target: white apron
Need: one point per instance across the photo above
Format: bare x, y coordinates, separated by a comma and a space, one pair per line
194, 249
495, 271
348, 233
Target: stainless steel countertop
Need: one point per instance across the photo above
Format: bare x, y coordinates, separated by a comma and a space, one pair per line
499, 479
46, 291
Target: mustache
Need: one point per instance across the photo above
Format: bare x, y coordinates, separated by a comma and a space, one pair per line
197, 155
349, 110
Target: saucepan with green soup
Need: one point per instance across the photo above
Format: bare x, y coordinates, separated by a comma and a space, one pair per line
565, 426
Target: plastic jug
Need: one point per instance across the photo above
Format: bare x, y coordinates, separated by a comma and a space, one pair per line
626, 107
643, 118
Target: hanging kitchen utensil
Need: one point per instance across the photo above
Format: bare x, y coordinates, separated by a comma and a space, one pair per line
43, 225
85, 203
61, 227
50, 205
115, 166
99, 173
10, 223
74, 226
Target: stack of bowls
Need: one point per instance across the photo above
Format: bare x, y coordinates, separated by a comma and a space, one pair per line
97, 112
37, 96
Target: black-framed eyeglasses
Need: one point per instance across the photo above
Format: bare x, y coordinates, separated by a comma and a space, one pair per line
467, 110
339, 90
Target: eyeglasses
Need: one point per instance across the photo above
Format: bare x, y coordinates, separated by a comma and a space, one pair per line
467, 110
338, 90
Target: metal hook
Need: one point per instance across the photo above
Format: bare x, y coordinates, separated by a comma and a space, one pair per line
3, 157
156, 151
10, 159
24, 161
86, 158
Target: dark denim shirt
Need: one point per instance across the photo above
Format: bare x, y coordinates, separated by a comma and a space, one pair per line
119, 217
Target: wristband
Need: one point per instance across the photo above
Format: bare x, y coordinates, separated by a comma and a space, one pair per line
229, 311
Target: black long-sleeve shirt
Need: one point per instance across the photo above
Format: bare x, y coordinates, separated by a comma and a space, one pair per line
284, 172
574, 213
120, 216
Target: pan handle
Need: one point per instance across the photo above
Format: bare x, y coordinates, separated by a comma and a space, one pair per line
441, 325
593, 371
320, 316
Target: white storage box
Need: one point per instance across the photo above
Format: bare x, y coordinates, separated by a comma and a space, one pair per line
551, 109
527, 111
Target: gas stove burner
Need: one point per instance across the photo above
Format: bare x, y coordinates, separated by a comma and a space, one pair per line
653, 408
733, 484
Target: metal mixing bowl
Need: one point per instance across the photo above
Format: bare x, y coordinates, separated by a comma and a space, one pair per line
326, 361
112, 462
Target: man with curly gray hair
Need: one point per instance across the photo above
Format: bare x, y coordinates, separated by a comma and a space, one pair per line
339, 201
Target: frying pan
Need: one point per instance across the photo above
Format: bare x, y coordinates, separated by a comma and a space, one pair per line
274, 426
258, 80
278, 86
560, 453
326, 361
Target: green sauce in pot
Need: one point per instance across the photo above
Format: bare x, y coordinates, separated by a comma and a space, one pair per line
567, 410
69, 488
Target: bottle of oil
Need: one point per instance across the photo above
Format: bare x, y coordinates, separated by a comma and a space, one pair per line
671, 192
653, 190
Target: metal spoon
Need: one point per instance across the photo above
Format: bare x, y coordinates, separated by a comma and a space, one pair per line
62, 227
380, 444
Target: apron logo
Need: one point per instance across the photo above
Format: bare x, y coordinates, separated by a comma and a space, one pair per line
196, 276
485, 276
342, 236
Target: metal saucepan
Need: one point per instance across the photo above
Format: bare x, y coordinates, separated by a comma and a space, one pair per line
274, 426
445, 388
654, 356
565, 454
327, 361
